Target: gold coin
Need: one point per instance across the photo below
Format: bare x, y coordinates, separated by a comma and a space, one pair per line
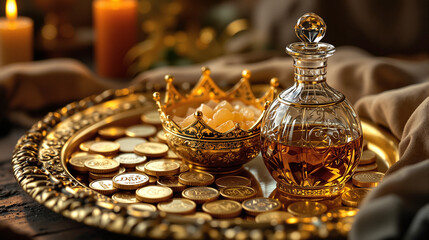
342, 212
367, 157
78, 162
143, 131
222, 208
200, 215
140, 168
172, 155
127, 144
178, 206
103, 186
125, 197
367, 179
111, 132
196, 178
85, 145
152, 180
161, 136
183, 166
366, 168
106, 148
141, 207
154, 194
239, 194
151, 149
307, 208
201, 194
130, 180
257, 206
152, 118
273, 216
96, 176
233, 181
130, 160
354, 197
171, 182
101, 165
161, 167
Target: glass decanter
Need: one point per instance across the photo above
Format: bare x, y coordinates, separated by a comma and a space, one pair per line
311, 136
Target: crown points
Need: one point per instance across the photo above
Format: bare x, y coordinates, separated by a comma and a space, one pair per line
274, 82
267, 104
198, 115
246, 74
168, 79
205, 71
156, 96
205, 90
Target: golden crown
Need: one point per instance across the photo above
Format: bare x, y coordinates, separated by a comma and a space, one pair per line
205, 90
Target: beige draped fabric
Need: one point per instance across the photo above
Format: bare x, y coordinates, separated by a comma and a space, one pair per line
33, 85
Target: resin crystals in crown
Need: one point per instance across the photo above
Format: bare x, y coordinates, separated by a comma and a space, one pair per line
201, 146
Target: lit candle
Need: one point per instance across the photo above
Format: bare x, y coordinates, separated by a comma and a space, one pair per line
115, 34
16, 36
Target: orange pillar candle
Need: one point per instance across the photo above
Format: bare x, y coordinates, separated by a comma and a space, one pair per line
16, 36
115, 34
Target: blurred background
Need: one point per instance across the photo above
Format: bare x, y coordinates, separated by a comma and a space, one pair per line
183, 32
190, 32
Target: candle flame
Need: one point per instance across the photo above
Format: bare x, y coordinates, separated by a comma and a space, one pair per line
11, 9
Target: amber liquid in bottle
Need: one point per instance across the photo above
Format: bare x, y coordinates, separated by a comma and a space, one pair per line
320, 166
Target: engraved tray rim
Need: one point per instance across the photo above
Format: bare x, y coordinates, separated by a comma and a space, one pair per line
37, 163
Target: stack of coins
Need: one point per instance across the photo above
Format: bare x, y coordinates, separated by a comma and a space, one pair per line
134, 165
101, 165
307, 208
364, 178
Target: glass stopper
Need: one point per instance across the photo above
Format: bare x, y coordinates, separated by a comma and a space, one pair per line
310, 29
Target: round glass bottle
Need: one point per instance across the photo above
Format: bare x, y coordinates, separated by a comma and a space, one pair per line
311, 136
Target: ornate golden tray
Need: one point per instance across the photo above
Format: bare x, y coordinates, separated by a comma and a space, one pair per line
39, 165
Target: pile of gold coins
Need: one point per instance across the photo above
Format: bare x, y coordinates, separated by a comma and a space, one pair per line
135, 166
364, 179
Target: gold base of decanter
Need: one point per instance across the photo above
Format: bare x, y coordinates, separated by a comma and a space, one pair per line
287, 199
309, 193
